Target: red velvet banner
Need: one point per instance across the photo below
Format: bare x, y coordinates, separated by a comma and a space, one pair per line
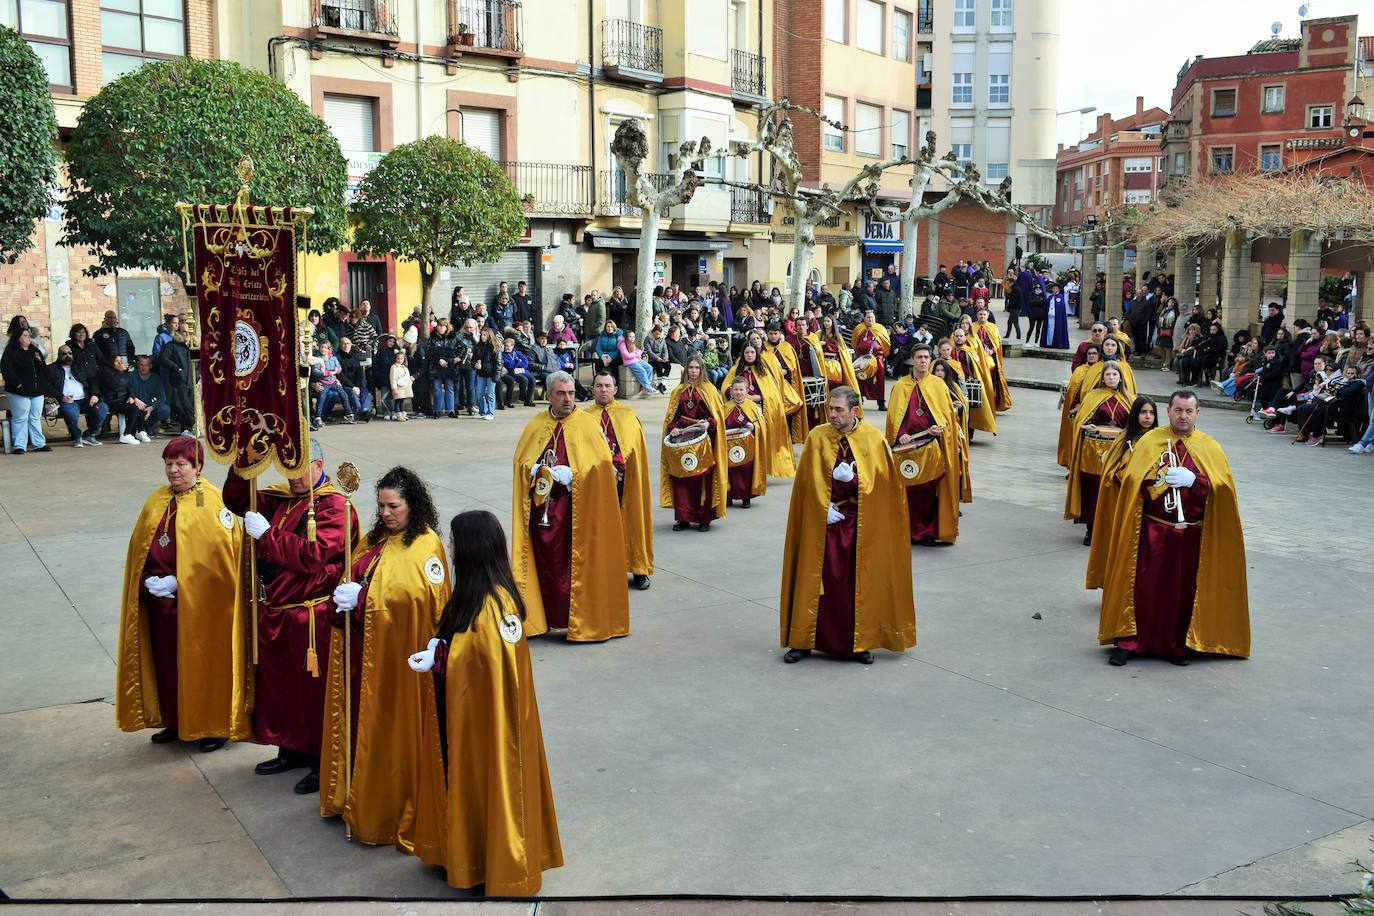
245, 279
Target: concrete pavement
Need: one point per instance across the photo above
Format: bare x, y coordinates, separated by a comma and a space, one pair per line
1000, 756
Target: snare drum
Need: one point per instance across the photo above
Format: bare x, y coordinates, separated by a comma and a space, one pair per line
815, 390
1096, 444
918, 463
834, 372
865, 367
689, 457
740, 447
975, 392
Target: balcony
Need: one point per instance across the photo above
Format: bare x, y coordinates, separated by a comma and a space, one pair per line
632, 51
925, 18
373, 20
493, 28
750, 205
553, 189
748, 76
612, 197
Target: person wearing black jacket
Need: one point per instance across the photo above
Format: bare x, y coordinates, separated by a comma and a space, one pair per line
1206, 354
353, 379
1272, 322
522, 304
488, 366
85, 352
77, 390
1343, 402
118, 391
174, 365
464, 352
26, 382
379, 375
443, 374
114, 341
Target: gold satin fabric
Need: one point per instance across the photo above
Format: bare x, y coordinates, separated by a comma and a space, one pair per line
846, 363
1221, 606
636, 508
214, 696
1073, 496
490, 817
884, 609
758, 485
786, 355
599, 604
1002, 401
984, 417
780, 461
1081, 381
935, 396
716, 406
402, 611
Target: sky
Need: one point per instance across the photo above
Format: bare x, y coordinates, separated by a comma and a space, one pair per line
1110, 51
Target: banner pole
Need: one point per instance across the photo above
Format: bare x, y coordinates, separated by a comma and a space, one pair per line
253, 564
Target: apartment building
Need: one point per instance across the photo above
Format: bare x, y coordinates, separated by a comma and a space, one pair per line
1118, 164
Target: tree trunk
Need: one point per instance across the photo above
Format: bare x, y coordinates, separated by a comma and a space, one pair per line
802, 249
910, 232
644, 283
427, 278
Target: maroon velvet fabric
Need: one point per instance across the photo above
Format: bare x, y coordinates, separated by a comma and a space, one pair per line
874, 388
835, 610
922, 500
741, 476
617, 458
1110, 413
552, 544
162, 618
692, 495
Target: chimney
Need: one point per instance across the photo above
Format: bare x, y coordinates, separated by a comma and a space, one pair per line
1104, 124
1139, 105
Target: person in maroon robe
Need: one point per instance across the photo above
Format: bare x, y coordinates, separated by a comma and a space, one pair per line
1099, 334
296, 581
692, 496
871, 339
739, 420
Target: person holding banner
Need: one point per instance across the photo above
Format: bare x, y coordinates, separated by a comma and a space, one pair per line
567, 544
624, 435
692, 479
746, 445
183, 618
398, 588
923, 432
299, 528
872, 346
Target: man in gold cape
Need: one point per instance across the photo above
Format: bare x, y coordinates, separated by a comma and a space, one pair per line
564, 484
973, 363
924, 433
397, 609
624, 435
748, 476
1175, 579
790, 363
846, 567
991, 339
204, 664
793, 403
767, 381
871, 339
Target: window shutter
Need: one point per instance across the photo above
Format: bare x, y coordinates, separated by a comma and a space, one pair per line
350, 117
482, 130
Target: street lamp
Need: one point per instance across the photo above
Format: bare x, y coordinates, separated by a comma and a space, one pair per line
1086, 109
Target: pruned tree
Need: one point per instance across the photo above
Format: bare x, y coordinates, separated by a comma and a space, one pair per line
28, 161
630, 147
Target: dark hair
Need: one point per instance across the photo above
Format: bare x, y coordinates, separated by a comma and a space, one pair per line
482, 567
423, 516
17, 324
606, 371
78, 327
1184, 393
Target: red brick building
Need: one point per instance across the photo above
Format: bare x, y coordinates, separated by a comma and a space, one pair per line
1118, 163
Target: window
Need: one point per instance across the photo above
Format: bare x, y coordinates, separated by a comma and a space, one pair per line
999, 73
901, 134
834, 110
998, 153
1138, 164
835, 29
961, 76
1180, 163
870, 26
1273, 100
1319, 115
1271, 157
999, 89
964, 15
1136, 197
1223, 160
136, 31
1223, 103
868, 130
353, 119
1001, 15
961, 139
482, 130
901, 35
43, 24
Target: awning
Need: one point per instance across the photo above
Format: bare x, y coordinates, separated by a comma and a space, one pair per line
604, 240
883, 247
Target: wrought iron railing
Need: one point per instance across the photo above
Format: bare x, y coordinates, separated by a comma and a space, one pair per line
925, 18
613, 198
355, 16
748, 73
552, 187
750, 205
495, 24
631, 46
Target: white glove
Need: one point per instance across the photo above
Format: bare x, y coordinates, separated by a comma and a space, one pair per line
255, 524
421, 662
844, 472
534, 470
1180, 477
833, 515
562, 474
346, 596
161, 586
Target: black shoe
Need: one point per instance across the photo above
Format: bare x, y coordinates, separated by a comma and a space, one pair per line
864, 658
639, 582
882, 405
729, 501
43, 448
680, 526
212, 744
744, 503
1180, 660
19, 451
309, 784
795, 655
1119, 657
704, 526
284, 761
1088, 537
527, 403
166, 736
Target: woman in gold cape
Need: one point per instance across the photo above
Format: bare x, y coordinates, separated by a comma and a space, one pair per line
1104, 406
1072, 397
986, 331
636, 503
399, 586
1143, 418
779, 461
969, 353
1220, 618
485, 812
787, 358
939, 461
704, 496
793, 403
183, 645
830, 343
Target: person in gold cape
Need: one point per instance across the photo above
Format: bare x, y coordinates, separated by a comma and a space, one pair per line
1144, 417
745, 431
948, 373
399, 587
871, 339
564, 485
183, 645
1101, 419
1071, 398
923, 432
811, 355
792, 402
846, 566
1176, 581
790, 363
1122, 338
973, 364
986, 333
839, 364
764, 391
485, 811
624, 435
694, 406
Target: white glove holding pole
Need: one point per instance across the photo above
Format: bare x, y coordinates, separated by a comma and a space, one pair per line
422, 662
844, 472
1180, 477
255, 524
833, 515
346, 596
562, 474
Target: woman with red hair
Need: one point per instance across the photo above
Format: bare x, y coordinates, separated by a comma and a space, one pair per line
181, 635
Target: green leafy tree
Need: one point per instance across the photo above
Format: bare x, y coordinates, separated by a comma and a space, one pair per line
28, 157
436, 201
174, 131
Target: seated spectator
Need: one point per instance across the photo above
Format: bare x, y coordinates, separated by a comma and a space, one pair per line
400, 387
605, 347
353, 378
320, 332
679, 349
1287, 401
1342, 398
1203, 355
118, 393
78, 393
543, 359
560, 334
332, 388
1240, 373
145, 386
632, 357
515, 374
656, 352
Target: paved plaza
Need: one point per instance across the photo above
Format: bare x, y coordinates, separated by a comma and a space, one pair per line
1001, 756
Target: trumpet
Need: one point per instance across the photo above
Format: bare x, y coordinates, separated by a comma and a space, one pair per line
1173, 500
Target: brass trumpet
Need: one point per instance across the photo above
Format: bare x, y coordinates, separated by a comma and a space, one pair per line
1173, 500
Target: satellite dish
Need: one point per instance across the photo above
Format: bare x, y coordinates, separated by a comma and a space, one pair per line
1276, 27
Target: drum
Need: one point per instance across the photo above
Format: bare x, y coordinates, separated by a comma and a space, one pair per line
1096, 444
834, 372
815, 390
919, 462
740, 447
865, 367
689, 457
975, 392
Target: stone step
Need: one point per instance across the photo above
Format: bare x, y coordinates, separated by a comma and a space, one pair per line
1150, 387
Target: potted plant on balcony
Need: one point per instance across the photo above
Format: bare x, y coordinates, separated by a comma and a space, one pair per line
465, 35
